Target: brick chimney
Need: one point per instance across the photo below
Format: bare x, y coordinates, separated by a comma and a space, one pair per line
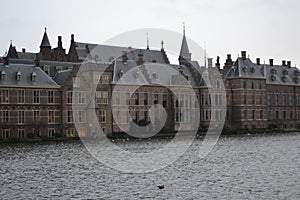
59, 43
271, 62
258, 61
289, 64
140, 59
283, 63
23, 50
244, 55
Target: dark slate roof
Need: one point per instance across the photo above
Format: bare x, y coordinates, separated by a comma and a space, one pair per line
26, 71
282, 75
106, 53
245, 68
26, 55
148, 74
45, 41
184, 51
62, 76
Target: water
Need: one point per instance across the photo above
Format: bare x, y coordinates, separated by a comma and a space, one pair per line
239, 167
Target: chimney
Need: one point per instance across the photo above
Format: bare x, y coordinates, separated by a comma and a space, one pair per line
229, 57
124, 56
37, 60
140, 59
289, 64
23, 50
72, 38
283, 63
244, 55
59, 43
5, 60
210, 62
258, 61
271, 62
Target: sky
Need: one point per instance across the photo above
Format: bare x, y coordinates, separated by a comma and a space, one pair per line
264, 28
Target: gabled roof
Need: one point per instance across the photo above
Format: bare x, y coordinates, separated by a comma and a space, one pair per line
62, 76
45, 41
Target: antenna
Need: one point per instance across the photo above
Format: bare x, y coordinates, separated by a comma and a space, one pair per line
183, 28
147, 41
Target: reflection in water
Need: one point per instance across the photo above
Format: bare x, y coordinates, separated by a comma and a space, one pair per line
264, 166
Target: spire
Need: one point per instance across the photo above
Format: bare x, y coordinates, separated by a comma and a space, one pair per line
184, 51
45, 41
147, 41
162, 44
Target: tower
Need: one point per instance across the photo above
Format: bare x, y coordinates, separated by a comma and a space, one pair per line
185, 55
45, 47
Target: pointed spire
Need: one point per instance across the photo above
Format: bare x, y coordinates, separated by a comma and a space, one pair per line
147, 41
45, 41
184, 51
162, 44
183, 28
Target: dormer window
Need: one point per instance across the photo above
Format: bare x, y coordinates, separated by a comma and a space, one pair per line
252, 69
33, 77
296, 80
273, 77
285, 72
3, 75
273, 71
19, 76
284, 79
120, 74
245, 68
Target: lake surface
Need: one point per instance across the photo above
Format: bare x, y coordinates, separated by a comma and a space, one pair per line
239, 167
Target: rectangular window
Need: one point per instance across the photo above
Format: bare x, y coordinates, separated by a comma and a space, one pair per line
269, 100
51, 132
102, 116
136, 98
246, 114
70, 116
291, 115
298, 100
253, 99
70, 132
284, 114
21, 117
69, 97
277, 114
76, 82
276, 100
21, 96
97, 78
145, 98
36, 116
21, 133
5, 116
46, 69
5, 133
165, 100
291, 100
81, 97
216, 99
102, 97
4, 94
137, 116
36, 96
51, 117
245, 99
253, 114
146, 115
156, 99
284, 100
181, 102
51, 96
206, 99
104, 79
244, 84
261, 114
81, 116
127, 98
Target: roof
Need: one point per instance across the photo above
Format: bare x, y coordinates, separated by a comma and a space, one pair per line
26, 55
184, 51
62, 76
45, 41
106, 53
26, 71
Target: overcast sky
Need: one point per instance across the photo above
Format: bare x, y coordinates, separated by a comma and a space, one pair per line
265, 28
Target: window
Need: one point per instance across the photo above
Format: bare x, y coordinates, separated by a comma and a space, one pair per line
51, 117
81, 116
21, 117
261, 114
216, 99
102, 116
70, 116
136, 98
253, 99
4, 94
244, 84
36, 96
218, 84
298, 100
117, 98
290, 100
206, 99
277, 114
81, 97
145, 98
81, 132
51, 132
246, 114
97, 77
137, 116
21, 133
165, 100
245, 99
105, 79
276, 100
36, 116
127, 98
291, 115
253, 114
5, 116
76, 82
21, 96
284, 114
46, 69
69, 97
5, 133
284, 100
260, 85
181, 104
156, 99
58, 68
70, 132
51, 97
252, 84
269, 100
146, 115
102, 97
